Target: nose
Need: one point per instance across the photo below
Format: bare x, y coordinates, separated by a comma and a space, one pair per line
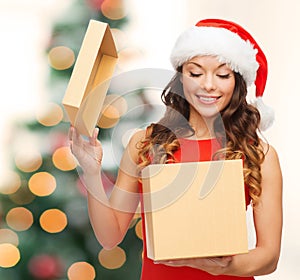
208, 83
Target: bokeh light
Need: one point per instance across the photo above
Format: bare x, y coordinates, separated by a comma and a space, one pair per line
10, 183
53, 220
138, 229
112, 259
63, 159
113, 9
50, 114
42, 184
95, 4
28, 160
118, 102
8, 236
109, 118
45, 266
61, 58
23, 195
10, 255
19, 218
80, 271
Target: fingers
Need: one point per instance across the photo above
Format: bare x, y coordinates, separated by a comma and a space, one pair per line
74, 137
222, 261
202, 263
93, 139
70, 132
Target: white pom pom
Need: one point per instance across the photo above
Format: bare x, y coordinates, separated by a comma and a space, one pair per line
266, 113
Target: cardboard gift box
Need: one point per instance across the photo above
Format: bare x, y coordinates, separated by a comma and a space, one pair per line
90, 78
195, 209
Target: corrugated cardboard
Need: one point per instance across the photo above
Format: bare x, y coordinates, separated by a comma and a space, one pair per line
91, 77
195, 209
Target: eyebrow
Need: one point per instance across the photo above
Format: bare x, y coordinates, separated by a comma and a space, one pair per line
200, 66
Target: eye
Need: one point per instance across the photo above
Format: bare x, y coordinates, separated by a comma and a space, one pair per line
195, 74
225, 76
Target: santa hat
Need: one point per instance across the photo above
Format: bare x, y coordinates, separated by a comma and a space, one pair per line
233, 45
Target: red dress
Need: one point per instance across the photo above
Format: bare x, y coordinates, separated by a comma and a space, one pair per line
190, 151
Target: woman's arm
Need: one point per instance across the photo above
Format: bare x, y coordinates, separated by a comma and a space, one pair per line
268, 225
110, 217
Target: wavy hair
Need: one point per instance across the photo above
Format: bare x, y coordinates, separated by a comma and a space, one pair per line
235, 128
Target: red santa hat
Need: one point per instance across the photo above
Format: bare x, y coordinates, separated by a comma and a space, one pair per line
233, 45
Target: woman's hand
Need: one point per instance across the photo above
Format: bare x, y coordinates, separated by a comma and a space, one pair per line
87, 152
214, 266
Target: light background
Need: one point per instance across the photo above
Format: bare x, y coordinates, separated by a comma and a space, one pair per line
153, 27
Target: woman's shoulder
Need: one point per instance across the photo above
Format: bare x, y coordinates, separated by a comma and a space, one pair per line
135, 141
268, 149
137, 136
271, 156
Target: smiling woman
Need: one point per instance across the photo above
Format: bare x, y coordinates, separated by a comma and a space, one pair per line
206, 106
208, 85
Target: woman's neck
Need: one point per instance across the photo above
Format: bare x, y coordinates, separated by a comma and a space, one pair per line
203, 127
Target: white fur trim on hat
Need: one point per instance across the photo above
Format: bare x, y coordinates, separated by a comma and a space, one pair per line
267, 114
229, 47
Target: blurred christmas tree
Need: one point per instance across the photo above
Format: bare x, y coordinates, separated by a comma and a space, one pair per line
44, 227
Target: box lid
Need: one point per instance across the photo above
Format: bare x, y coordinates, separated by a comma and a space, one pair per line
90, 78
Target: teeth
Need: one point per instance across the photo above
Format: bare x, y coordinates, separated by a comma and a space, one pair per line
208, 99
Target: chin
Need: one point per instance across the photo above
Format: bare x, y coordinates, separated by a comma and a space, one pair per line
209, 114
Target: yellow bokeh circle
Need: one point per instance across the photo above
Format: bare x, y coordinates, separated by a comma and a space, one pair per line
50, 114
53, 220
8, 236
9, 256
113, 9
19, 218
118, 102
10, 183
80, 271
23, 195
42, 184
28, 160
109, 117
112, 259
61, 57
63, 159
138, 229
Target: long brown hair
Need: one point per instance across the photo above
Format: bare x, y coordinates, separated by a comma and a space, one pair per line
235, 128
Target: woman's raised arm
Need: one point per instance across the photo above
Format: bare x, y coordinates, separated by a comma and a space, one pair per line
109, 216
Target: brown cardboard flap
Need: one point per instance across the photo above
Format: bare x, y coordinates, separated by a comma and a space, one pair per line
91, 77
181, 222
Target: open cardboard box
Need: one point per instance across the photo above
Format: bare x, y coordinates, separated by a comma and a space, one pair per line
91, 77
195, 209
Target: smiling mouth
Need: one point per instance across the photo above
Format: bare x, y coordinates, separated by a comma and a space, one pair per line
207, 99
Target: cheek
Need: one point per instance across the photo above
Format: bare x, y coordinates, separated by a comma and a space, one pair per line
189, 85
228, 89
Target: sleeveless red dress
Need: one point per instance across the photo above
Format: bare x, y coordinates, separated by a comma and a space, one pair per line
190, 151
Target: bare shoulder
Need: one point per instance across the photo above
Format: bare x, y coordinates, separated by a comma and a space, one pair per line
271, 164
270, 152
136, 138
134, 145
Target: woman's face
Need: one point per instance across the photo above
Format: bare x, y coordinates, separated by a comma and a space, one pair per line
207, 84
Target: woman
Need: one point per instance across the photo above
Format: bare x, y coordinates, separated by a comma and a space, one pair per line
206, 106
